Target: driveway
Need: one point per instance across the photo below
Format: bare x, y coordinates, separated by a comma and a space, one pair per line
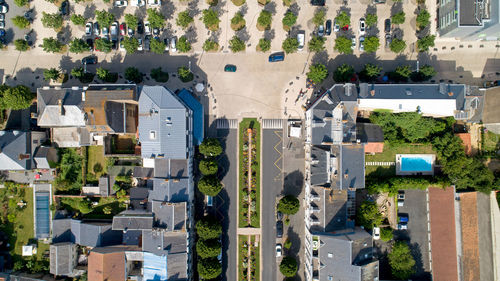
12, 31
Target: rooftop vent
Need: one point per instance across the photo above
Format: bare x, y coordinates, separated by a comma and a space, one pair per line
24, 156
408, 92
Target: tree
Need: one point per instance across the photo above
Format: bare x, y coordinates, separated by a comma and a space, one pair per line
209, 227
183, 45
15, 98
371, 20
78, 46
77, 72
157, 46
210, 147
371, 44
21, 45
317, 44
264, 20
397, 45
264, 45
425, 73
424, 43
370, 72
51, 74
21, 3
288, 244
158, 75
238, 22
133, 74
403, 71
288, 266
343, 45
21, 22
102, 73
343, 73
51, 45
208, 248
319, 17
423, 19
289, 204
107, 210
208, 167
104, 18
155, 18
290, 45
78, 19
211, 19
130, 44
401, 261
386, 234
184, 19
236, 44
398, 18
209, 268
368, 215
343, 19
54, 21
184, 74
289, 20
103, 45
131, 21
210, 45
210, 185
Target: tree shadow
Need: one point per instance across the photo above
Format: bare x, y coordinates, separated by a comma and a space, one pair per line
168, 8
243, 34
117, 12
293, 183
294, 8
294, 250
64, 36
396, 8
219, 8
269, 34
320, 57
243, 9
191, 34
271, 7
89, 12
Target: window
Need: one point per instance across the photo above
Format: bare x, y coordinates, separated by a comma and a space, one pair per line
152, 135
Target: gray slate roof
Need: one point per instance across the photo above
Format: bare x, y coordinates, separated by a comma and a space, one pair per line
84, 233
176, 265
320, 158
368, 132
161, 243
170, 216
49, 110
12, 145
62, 258
352, 168
164, 115
171, 190
133, 220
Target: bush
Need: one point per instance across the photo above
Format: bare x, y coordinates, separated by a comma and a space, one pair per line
157, 46
288, 266
343, 45
209, 268
210, 185
319, 17
104, 18
184, 19
288, 244
423, 19
371, 44
183, 45
208, 228
158, 75
343, 19
210, 46
15, 98
155, 18
238, 22
264, 45
54, 21
401, 261
208, 167
211, 19
236, 44
317, 44
21, 3
368, 215
386, 234
398, 18
210, 147
51, 45
317, 73
289, 20
130, 44
289, 205
397, 45
51, 74
423, 44
208, 248
103, 45
21, 22
343, 73
371, 20
264, 20
370, 72
78, 19
21, 45
78, 46
184, 74
133, 74
131, 21
290, 45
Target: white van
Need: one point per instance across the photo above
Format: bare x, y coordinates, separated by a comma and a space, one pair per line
301, 37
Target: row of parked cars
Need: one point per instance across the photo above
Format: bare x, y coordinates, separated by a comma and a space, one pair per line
93, 31
137, 3
3, 10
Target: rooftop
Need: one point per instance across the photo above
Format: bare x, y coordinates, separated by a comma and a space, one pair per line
198, 115
62, 258
133, 220
491, 114
106, 265
15, 150
171, 190
60, 107
90, 234
170, 216
352, 168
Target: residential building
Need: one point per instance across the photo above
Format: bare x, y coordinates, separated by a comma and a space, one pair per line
107, 264
63, 259
491, 114
372, 136
469, 20
17, 149
88, 234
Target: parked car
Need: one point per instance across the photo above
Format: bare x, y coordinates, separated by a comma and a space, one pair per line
2, 24
147, 28
137, 3
279, 229
353, 44
362, 27
301, 37
89, 60
336, 26
402, 226
387, 25
140, 27
230, 68
105, 31
403, 218
279, 250
376, 233
328, 27
156, 31
114, 44
114, 30
154, 3
121, 3
378, 1
123, 29
2, 17
130, 32
4, 9
321, 31
147, 42
64, 8
362, 44
318, 2
401, 198
97, 31
173, 44
279, 216
122, 47
167, 44
140, 48
88, 29
90, 42
276, 57
388, 40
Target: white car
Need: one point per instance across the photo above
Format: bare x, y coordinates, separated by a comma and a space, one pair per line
336, 26
301, 37
166, 41
137, 3
279, 250
362, 27
105, 31
173, 44
353, 44
4, 9
155, 3
88, 29
121, 3
97, 31
140, 48
122, 47
147, 28
376, 233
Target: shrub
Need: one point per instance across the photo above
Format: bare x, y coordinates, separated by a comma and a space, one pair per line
211, 19
184, 74
184, 19
317, 44
208, 167
317, 73
183, 45
78, 46
319, 17
288, 244
78, 19
210, 46
401, 261
208, 248
264, 45
386, 234
398, 18
158, 75
54, 21
238, 22
264, 20
21, 22
155, 18
289, 20
288, 266
210, 185
343, 45
104, 18
131, 21
290, 45
371, 20
343, 73
133, 74
208, 227
236, 44
343, 19
51, 45
210, 147
397, 45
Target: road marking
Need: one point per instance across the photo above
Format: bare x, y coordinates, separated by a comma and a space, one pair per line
278, 144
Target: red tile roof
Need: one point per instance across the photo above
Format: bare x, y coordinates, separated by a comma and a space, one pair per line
443, 234
465, 137
374, 147
106, 266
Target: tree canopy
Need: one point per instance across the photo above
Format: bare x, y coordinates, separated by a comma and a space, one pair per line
401, 261
104, 18
78, 46
386, 234
371, 44
371, 20
423, 19
208, 167
157, 46
185, 75
210, 147
238, 21
78, 19
317, 44
289, 20
21, 45
210, 45
133, 74
343, 19
131, 21
208, 248
290, 45
103, 45
398, 18
397, 45
424, 43
236, 44
210, 185
54, 21
319, 17
51, 45
343, 45
343, 73
264, 45
155, 18
317, 73
370, 72
289, 205
19, 97
264, 20
208, 227
20, 22
209, 268
130, 44
183, 45
184, 19
211, 19
51, 74
288, 266
368, 215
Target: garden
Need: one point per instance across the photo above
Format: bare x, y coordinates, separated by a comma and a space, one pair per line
248, 257
249, 173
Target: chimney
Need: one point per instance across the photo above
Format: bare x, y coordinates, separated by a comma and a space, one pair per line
24, 156
61, 106
176, 180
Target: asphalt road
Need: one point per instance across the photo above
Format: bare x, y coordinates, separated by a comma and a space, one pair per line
225, 204
272, 183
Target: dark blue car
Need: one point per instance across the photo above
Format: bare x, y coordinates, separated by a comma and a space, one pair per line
277, 57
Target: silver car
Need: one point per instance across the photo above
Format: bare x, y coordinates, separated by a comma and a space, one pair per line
88, 29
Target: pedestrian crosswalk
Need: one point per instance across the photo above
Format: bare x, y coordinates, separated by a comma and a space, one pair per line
226, 123
272, 123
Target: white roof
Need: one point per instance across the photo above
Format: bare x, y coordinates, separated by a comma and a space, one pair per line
435, 107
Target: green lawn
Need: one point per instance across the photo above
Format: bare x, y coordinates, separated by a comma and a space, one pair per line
96, 163
256, 216
72, 204
242, 253
389, 155
491, 142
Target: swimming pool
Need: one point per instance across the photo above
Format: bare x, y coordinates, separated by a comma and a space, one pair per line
417, 163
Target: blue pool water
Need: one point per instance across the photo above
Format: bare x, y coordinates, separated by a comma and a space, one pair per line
416, 164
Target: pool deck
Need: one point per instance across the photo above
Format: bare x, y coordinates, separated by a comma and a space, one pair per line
400, 172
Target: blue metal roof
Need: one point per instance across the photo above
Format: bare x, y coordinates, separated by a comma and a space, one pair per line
42, 215
155, 267
197, 108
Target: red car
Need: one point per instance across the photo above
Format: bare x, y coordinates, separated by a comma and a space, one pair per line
123, 29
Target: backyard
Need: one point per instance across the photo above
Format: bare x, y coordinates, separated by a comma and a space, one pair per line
491, 143
93, 208
96, 163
